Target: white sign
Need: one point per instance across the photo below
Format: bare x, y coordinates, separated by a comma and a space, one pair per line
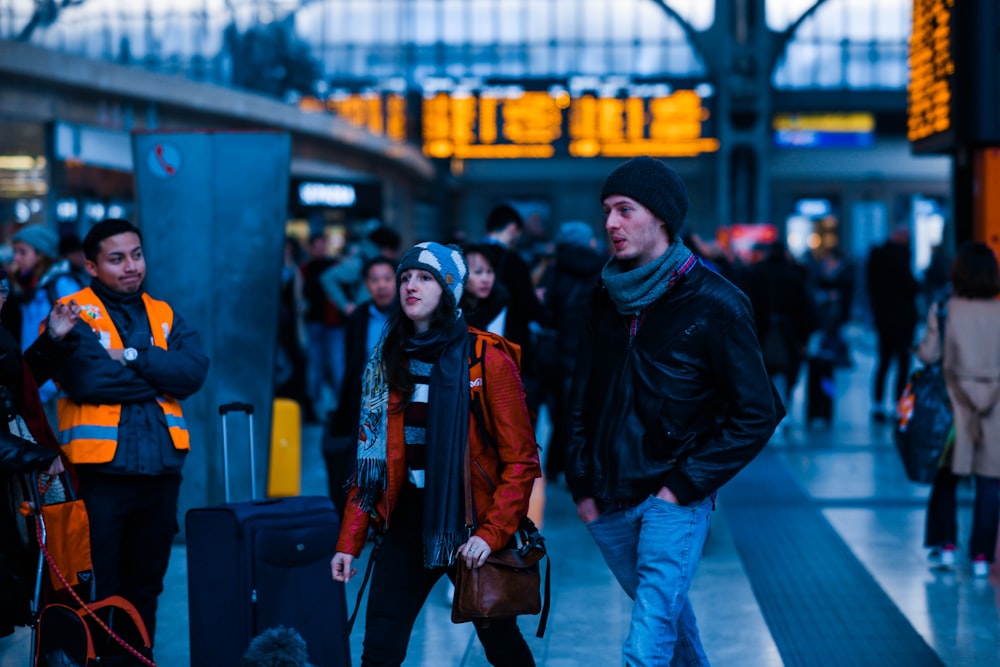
334, 195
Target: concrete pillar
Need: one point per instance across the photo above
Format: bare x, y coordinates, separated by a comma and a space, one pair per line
212, 207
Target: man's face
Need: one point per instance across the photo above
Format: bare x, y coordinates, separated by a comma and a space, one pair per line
381, 284
120, 265
636, 236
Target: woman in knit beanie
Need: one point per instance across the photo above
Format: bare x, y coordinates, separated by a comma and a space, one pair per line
39, 279
417, 428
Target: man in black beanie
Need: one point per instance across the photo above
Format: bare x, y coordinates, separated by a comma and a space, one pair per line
670, 400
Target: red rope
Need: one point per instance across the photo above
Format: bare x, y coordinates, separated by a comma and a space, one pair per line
83, 605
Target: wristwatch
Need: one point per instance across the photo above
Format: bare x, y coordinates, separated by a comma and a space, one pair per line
130, 354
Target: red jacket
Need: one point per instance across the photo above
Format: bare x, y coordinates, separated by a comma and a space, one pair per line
500, 491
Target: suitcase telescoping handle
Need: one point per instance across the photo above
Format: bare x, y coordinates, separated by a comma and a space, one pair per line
224, 410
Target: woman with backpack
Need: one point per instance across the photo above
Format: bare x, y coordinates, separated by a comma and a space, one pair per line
418, 425
970, 358
40, 279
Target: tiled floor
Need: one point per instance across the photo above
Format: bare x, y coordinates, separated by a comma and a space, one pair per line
849, 472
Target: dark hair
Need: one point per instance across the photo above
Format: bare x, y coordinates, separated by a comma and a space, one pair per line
386, 237
68, 243
974, 273
103, 230
398, 329
485, 250
501, 216
376, 261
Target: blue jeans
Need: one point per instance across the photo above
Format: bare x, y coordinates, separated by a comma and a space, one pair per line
653, 550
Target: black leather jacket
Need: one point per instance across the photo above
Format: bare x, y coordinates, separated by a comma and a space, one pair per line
685, 404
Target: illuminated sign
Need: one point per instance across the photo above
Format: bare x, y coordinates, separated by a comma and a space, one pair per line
331, 195
534, 124
382, 114
510, 122
824, 130
930, 93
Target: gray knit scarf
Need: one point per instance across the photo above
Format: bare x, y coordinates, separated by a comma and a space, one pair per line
632, 291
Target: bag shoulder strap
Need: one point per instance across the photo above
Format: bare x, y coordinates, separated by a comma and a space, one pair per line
376, 542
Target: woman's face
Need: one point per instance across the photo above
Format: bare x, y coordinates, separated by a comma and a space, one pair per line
419, 295
481, 276
25, 257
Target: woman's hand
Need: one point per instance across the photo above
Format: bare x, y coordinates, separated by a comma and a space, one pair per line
341, 567
474, 552
61, 319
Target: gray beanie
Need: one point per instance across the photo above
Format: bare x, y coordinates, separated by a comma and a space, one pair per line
42, 239
654, 185
575, 233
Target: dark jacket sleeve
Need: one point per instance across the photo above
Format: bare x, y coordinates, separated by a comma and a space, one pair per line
754, 410
179, 370
46, 355
578, 472
92, 376
345, 421
19, 455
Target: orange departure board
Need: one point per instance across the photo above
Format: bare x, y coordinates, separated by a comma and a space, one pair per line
538, 124
507, 122
379, 113
930, 93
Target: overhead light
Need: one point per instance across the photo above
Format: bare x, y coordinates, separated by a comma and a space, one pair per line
17, 162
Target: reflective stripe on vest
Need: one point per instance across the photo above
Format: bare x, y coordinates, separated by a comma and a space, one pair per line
88, 432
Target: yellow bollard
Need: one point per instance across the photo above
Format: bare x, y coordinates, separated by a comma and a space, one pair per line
284, 472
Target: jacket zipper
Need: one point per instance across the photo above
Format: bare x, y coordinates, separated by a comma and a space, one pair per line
493, 487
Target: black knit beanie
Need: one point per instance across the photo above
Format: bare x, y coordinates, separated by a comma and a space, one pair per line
654, 185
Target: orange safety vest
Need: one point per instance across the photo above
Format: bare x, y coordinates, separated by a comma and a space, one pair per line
88, 432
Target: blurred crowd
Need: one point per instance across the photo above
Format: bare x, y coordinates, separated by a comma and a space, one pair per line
535, 291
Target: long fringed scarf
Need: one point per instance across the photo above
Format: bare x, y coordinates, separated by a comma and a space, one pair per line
632, 291
447, 436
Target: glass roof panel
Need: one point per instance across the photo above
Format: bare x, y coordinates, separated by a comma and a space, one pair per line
847, 44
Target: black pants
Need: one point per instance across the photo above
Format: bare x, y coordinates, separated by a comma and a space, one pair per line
133, 520
892, 346
942, 525
400, 585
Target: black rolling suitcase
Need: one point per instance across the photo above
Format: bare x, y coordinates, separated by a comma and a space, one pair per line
820, 389
259, 564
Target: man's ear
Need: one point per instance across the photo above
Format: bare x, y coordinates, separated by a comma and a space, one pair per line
91, 268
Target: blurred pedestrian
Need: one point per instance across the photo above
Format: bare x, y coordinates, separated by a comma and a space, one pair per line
568, 287
40, 279
71, 249
485, 302
324, 323
892, 297
363, 330
418, 433
832, 282
291, 360
784, 315
970, 357
504, 226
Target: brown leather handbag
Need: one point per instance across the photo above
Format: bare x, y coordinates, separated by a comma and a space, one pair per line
508, 583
